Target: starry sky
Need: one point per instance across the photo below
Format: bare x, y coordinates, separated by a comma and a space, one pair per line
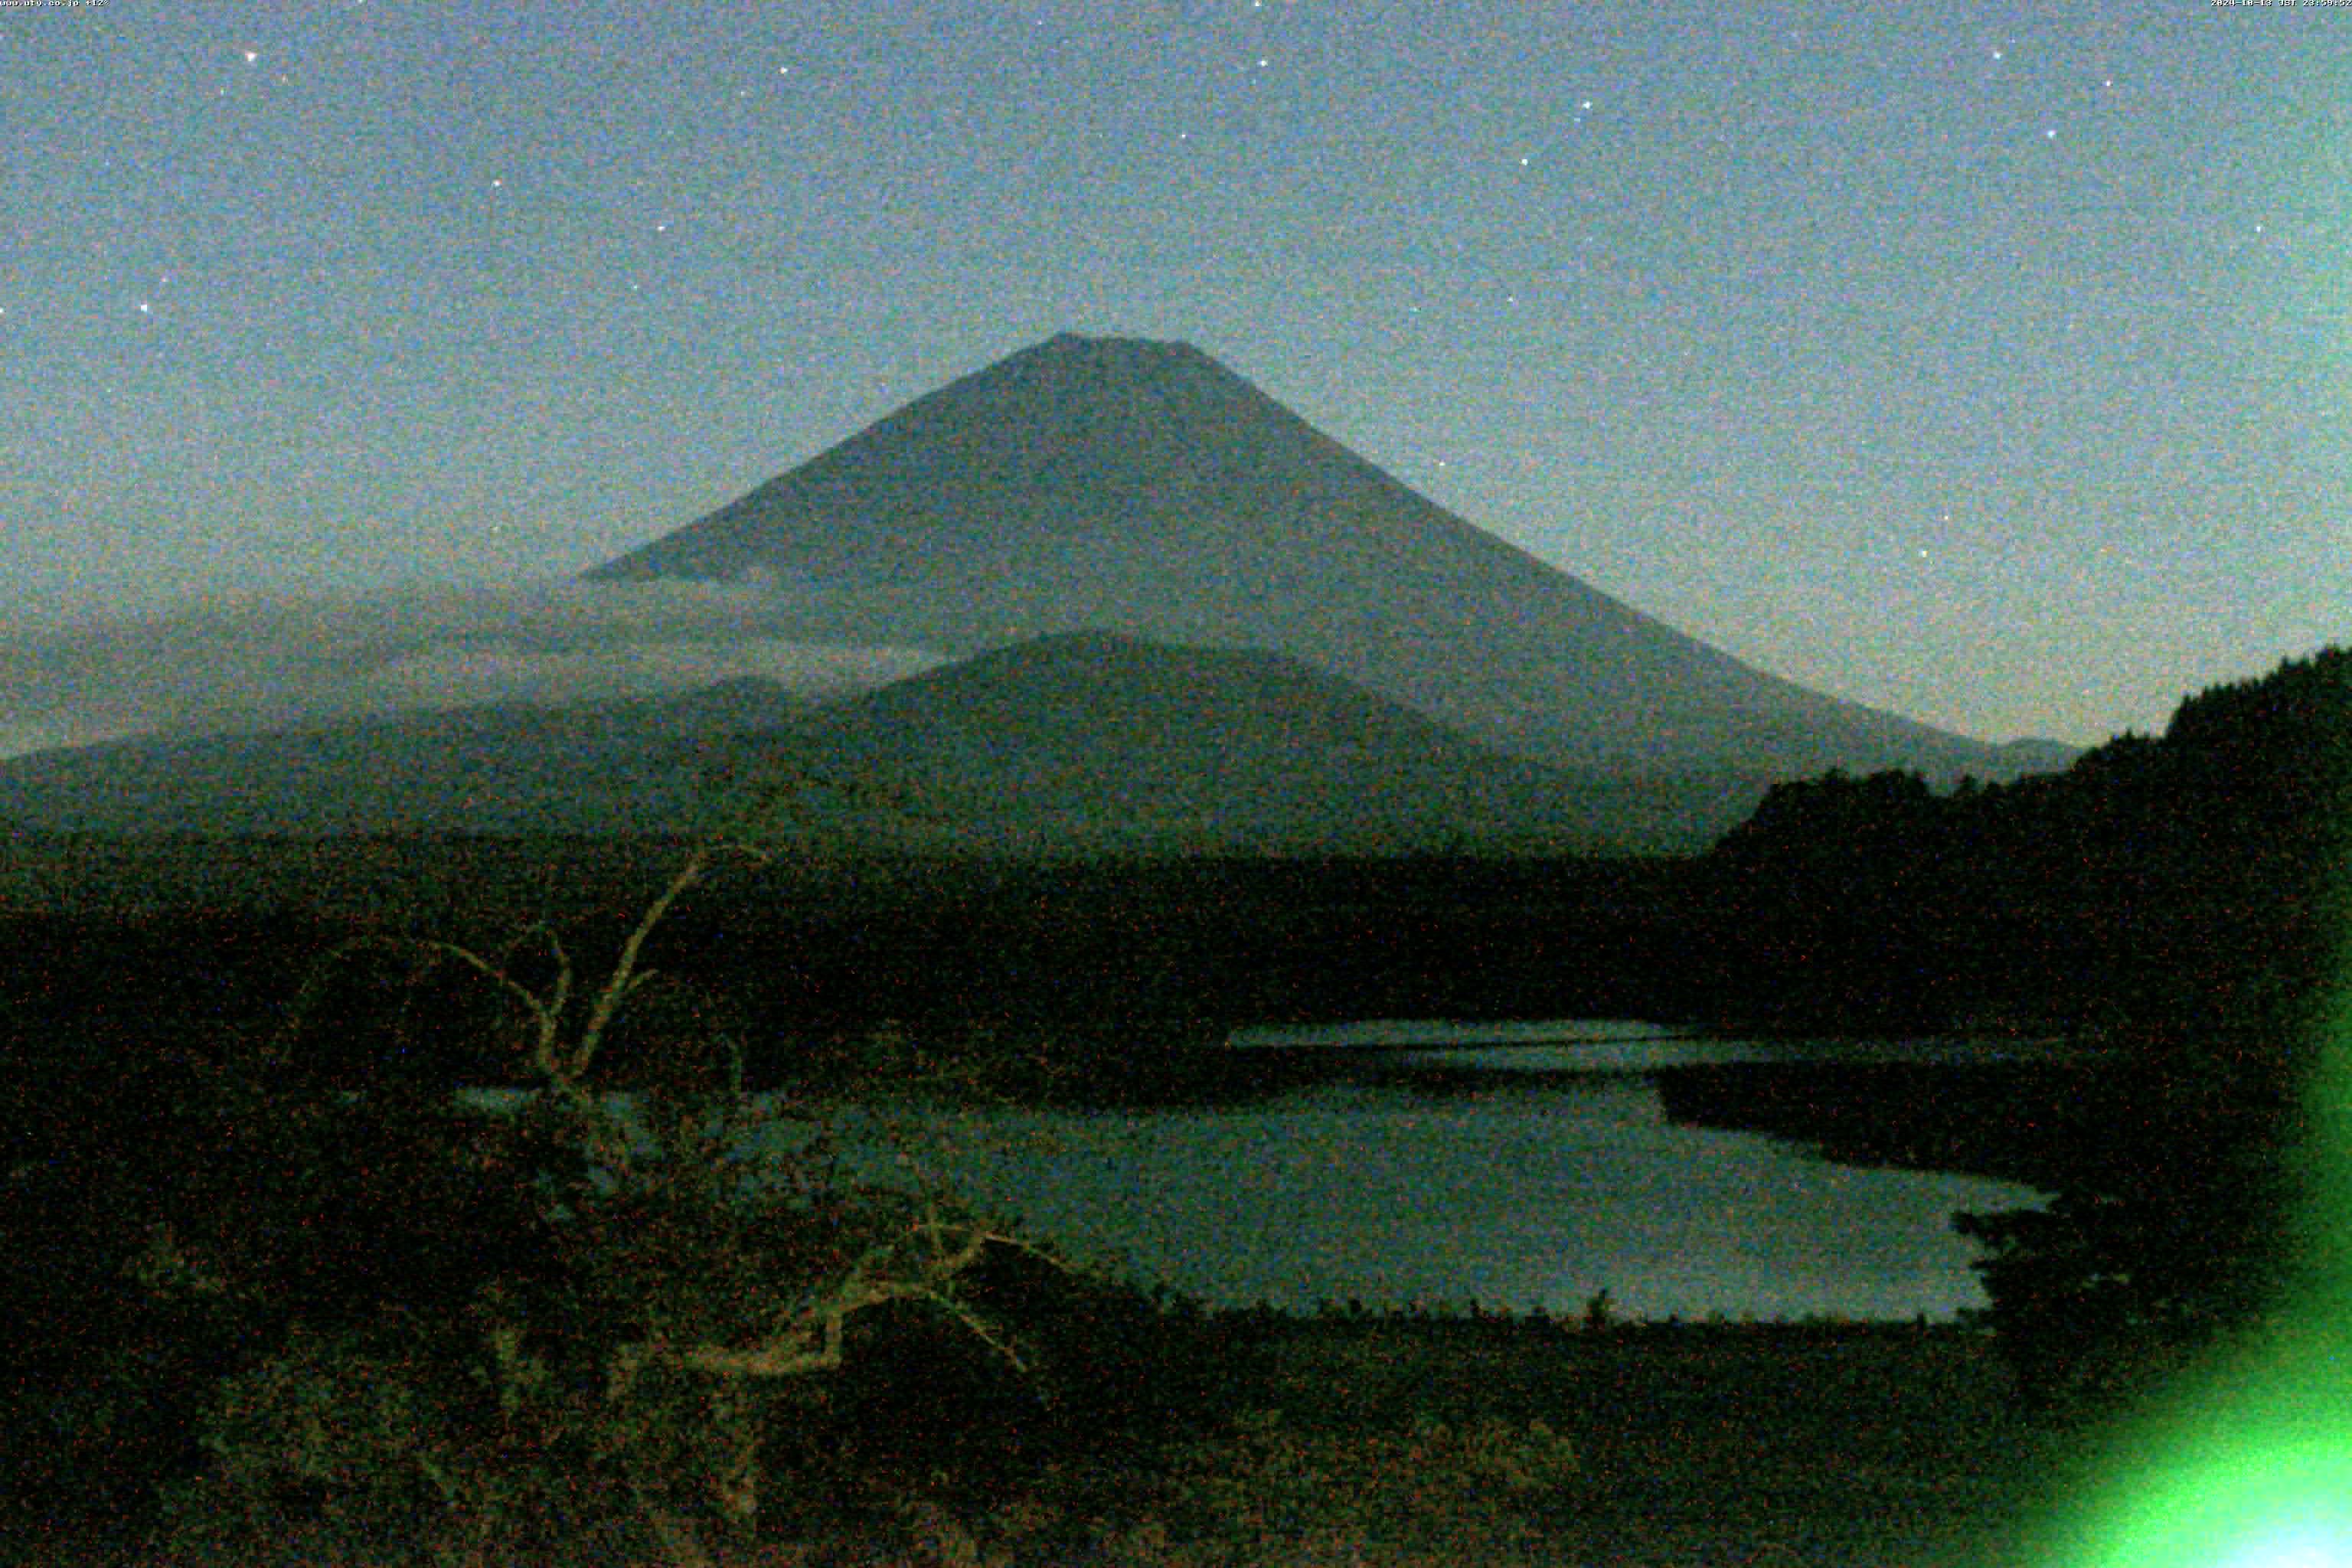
1987, 363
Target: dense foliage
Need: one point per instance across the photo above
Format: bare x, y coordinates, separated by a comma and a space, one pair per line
276, 1296
2157, 883
2177, 905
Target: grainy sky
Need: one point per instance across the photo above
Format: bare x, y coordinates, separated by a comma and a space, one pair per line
1988, 364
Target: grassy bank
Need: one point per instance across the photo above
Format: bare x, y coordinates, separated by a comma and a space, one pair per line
1821, 1445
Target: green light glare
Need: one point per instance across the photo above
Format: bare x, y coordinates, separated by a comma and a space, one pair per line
2246, 1502
2311, 1547
2248, 1462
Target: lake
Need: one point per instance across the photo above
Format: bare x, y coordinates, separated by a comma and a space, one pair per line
1554, 1175
1541, 1171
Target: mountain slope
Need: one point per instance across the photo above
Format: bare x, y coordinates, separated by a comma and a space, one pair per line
1142, 488
1069, 744
609, 767
1093, 740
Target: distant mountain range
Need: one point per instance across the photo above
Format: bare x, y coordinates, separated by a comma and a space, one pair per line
606, 767
1080, 742
1110, 484
1184, 619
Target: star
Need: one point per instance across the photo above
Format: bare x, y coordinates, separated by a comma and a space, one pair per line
251, 56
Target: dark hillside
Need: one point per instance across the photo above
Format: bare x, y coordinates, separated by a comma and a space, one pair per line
2179, 904
1093, 742
2163, 883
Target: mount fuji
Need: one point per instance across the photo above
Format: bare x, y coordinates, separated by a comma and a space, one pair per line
1143, 489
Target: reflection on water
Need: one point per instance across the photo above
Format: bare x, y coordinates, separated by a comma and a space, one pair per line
1553, 1045
1457, 1032
1628, 1056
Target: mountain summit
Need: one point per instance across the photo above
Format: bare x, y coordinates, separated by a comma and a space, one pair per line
1141, 487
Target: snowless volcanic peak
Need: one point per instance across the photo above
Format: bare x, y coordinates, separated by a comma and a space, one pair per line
1109, 441
1142, 488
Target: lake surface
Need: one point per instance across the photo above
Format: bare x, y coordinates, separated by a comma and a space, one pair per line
1536, 1180
1553, 1175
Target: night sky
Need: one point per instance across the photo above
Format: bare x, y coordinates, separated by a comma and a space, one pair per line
1985, 364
